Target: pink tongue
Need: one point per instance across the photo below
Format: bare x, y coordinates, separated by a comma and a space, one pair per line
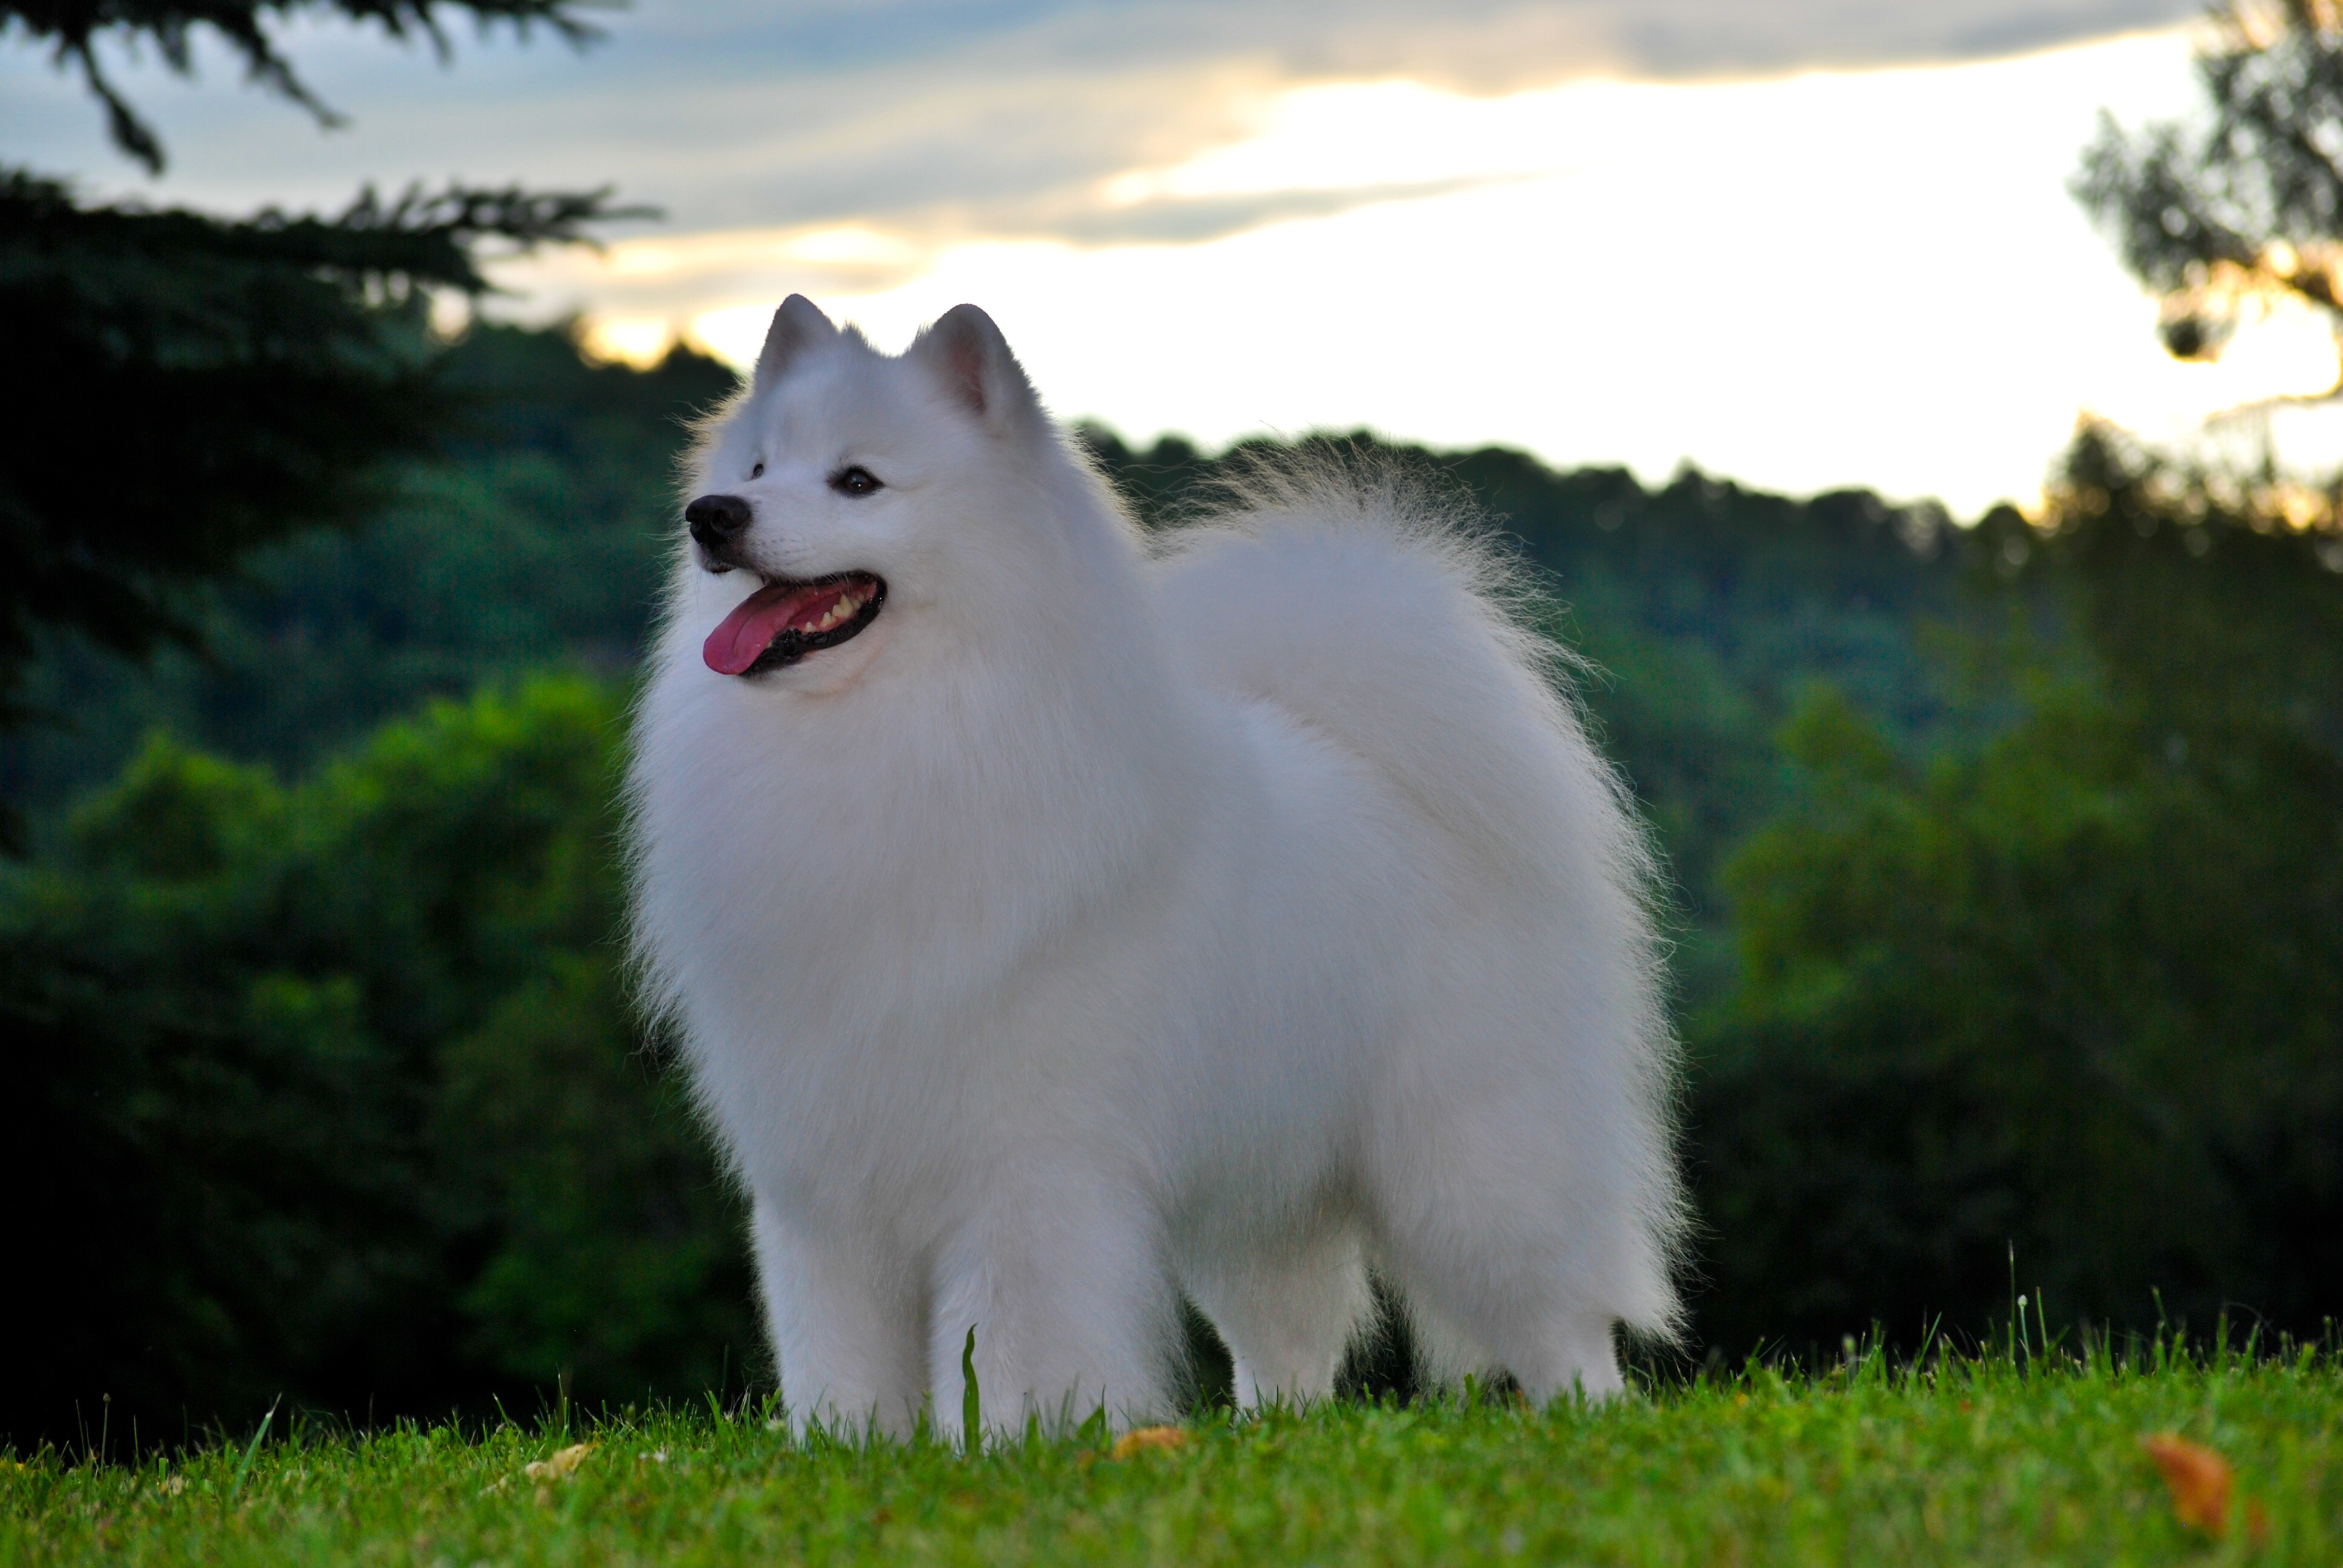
753, 624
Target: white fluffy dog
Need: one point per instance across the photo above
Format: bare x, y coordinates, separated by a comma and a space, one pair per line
1056, 921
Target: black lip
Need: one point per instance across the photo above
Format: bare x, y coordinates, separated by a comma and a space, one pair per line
793, 645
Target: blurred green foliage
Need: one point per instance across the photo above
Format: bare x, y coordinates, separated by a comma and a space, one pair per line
331, 1087
533, 535
334, 1089
2077, 990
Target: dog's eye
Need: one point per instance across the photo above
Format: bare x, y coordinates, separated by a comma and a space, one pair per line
759, 471
855, 481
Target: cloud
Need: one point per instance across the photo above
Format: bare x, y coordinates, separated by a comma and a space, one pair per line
943, 119
1000, 120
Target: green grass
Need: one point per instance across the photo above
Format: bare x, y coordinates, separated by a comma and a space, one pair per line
1991, 1461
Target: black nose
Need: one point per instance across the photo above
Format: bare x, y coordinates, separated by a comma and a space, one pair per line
717, 521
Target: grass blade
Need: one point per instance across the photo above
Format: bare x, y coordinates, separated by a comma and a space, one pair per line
244, 1465
971, 1407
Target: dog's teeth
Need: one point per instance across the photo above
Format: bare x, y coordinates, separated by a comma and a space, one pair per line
843, 608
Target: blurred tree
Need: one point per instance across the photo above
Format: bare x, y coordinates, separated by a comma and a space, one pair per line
532, 538
2227, 215
208, 384
2082, 989
330, 1091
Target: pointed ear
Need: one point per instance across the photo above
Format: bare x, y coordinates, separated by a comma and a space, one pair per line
798, 325
965, 351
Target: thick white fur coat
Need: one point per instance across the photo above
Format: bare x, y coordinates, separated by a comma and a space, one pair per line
1227, 916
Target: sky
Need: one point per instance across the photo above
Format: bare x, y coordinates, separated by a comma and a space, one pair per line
1806, 244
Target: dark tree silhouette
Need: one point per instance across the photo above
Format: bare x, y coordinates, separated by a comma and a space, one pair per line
73, 28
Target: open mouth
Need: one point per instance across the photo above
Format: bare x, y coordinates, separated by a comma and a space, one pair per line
783, 621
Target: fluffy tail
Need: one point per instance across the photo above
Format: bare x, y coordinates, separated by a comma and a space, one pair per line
1370, 607
1359, 600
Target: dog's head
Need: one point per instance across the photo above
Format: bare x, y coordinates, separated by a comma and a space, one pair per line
845, 482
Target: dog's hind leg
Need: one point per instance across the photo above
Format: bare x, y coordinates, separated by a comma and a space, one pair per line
1489, 1296
1287, 1315
846, 1329
1508, 1241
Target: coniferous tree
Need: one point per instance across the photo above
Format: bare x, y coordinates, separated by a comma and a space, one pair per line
196, 386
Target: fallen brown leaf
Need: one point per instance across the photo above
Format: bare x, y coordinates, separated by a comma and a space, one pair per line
1145, 1437
560, 1465
2199, 1480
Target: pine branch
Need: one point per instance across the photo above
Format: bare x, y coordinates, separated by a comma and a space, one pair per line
73, 28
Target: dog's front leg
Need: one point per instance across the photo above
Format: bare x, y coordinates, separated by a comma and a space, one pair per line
1064, 1284
846, 1327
